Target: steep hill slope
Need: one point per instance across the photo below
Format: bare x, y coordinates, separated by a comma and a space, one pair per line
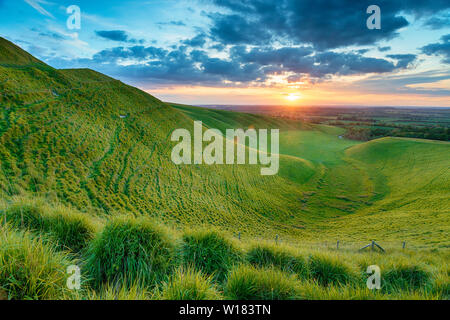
13, 55
99, 145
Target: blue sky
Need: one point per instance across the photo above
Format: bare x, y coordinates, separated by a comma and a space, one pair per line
298, 52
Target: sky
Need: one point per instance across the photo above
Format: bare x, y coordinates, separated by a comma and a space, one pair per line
248, 52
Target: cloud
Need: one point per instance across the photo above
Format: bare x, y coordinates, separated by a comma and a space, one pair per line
172, 23
435, 23
439, 49
49, 34
142, 53
198, 41
384, 49
418, 83
187, 65
403, 60
256, 22
36, 5
438, 21
235, 29
117, 35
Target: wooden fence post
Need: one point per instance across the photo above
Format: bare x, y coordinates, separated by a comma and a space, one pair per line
337, 245
276, 239
404, 244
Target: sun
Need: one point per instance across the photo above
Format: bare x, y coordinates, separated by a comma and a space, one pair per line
292, 97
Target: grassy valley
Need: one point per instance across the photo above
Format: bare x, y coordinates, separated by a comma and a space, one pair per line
86, 179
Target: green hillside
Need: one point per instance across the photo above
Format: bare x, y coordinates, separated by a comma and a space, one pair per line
391, 189
91, 142
11, 54
63, 138
86, 174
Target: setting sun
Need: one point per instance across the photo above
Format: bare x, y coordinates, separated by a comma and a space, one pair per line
293, 97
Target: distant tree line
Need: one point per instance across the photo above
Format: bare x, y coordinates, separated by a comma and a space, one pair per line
365, 134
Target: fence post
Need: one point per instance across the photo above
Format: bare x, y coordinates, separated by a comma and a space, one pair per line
276, 239
404, 244
337, 245
373, 245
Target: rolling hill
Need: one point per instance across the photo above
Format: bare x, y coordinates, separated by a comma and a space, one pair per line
86, 179
91, 142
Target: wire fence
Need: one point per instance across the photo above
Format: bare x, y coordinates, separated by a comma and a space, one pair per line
341, 245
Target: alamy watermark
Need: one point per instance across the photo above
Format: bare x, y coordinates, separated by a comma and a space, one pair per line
374, 280
374, 21
74, 20
74, 280
235, 147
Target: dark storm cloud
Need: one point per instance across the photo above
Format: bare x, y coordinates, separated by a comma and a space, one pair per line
325, 24
441, 48
117, 35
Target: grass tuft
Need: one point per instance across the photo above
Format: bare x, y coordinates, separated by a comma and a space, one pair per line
29, 269
115, 292
274, 256
68, 229
329, 270
209, 252
250, 283
188, 284
130, 251
405, 277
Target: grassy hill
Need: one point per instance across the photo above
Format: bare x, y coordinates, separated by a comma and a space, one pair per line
80, 146
13, 55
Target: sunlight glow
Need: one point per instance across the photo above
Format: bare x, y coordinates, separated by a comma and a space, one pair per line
293, 97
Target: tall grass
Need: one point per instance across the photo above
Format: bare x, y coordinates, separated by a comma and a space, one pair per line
405, 277
209, 252
188, 284
29, 269
250, 283
67, 228
328, 269
130, 251
265, 255
119, 292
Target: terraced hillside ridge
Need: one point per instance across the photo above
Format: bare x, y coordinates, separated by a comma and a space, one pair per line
97, 145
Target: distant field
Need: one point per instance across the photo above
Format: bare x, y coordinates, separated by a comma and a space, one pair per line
364, 123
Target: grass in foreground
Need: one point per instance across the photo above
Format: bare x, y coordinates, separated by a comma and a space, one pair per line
188, 284
29, 269
209, 252
128, 251
67, 228
249, 283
